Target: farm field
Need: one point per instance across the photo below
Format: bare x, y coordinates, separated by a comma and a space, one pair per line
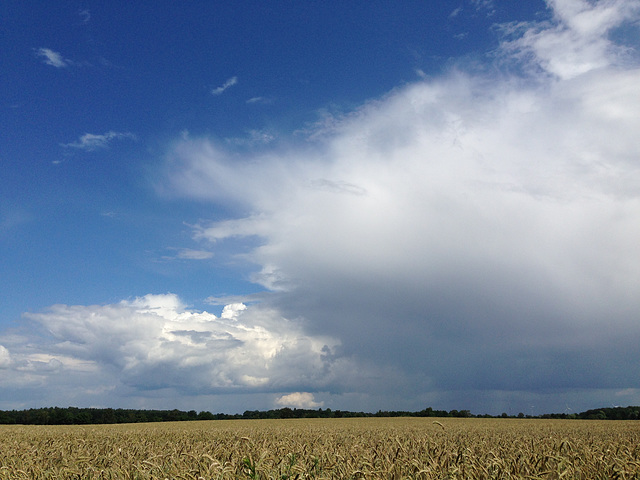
389, 448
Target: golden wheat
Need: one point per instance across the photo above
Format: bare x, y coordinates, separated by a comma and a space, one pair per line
392, 448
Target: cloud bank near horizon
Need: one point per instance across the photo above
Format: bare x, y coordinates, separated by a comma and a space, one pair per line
469, 240
154, 343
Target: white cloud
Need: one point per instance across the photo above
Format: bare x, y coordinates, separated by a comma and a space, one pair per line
90, 141
229, 83
189, 254
252, 139
298, 400
232, 310
154, 342
260, 100
5, 357
53, 58
576, 41
486, 5
461, 222
455, 12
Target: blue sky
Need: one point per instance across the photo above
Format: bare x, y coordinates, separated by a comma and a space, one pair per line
353, 205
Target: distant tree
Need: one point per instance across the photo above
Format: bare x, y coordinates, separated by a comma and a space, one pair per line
206, 416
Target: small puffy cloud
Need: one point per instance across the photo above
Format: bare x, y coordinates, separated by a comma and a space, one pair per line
90, 141
299, 400
229, 83
232, 310
53, 58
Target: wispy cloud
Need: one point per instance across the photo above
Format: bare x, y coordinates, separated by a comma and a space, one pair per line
85, 15
487, 5
455, 12
189, 254
11, 218
260, 100
52, 58
229, 83
90, 141
253, 138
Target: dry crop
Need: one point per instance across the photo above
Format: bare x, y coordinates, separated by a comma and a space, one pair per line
391, 448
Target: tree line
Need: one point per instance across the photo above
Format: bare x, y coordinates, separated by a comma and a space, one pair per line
93, 416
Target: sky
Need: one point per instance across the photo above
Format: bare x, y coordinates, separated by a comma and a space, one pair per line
223, 206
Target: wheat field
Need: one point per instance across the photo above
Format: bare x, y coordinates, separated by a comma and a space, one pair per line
384, 448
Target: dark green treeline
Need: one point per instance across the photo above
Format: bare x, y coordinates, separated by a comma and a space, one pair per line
87, 416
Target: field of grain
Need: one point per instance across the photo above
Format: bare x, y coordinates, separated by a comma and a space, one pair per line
390, 448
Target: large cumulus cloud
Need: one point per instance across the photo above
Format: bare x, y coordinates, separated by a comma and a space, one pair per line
477, 231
